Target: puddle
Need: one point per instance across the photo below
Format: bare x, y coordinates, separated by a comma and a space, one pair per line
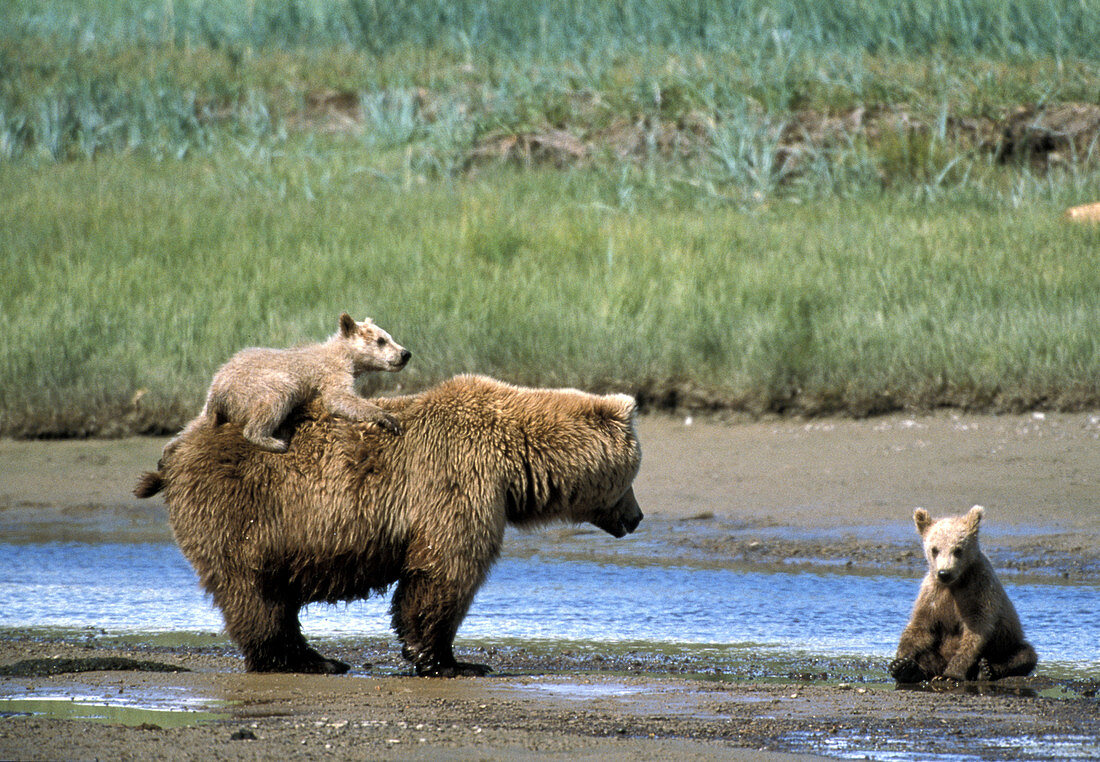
164, 708
588, 691
150, 589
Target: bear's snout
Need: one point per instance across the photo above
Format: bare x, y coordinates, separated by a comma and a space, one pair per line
944, 575
632, 523
399, 361
622, 518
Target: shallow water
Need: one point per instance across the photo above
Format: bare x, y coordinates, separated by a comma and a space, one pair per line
1068, 746
163, 707
150, 588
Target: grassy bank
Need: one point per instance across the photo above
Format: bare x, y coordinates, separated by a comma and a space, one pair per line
131, 275
764, 206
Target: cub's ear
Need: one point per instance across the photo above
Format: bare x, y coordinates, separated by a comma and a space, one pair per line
923, 520
348, 326
973, 518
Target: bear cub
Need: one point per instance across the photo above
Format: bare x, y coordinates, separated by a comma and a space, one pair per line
259, 387
963, 626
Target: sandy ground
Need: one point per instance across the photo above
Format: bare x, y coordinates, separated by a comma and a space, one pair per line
756, 493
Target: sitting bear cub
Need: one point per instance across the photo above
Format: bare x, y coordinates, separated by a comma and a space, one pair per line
963, 625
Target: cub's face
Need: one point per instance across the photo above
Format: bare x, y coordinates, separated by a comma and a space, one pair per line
371, 347
950, 544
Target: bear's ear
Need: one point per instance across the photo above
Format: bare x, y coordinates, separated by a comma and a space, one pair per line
923, 520
622, 406
973, 518
348, 326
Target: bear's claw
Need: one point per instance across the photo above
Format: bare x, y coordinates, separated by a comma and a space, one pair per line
944, 683
389, 423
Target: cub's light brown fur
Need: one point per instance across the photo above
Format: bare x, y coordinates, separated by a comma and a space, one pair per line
963, 625
258, 387
349, 511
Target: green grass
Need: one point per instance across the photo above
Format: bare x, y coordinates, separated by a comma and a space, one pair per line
587, 27
169, 77
169, 195
134, 275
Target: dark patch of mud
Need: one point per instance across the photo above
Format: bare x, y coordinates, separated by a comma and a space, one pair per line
59, 666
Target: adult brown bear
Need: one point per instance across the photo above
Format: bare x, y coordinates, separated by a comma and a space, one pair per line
349, 510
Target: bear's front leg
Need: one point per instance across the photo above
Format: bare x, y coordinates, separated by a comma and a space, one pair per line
917, 658
1020, 664
963, 664
348, 404
426, 614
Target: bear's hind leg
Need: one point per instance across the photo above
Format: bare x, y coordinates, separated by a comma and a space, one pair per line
426, 615
269, 634
263, 419
1019, 664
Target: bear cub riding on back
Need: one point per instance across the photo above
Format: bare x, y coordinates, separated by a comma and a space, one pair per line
259, 387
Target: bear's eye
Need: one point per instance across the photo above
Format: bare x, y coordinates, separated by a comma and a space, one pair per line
957, 552
380, 341
935, 552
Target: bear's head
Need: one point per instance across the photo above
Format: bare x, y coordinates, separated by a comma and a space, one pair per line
370, 347
950, 544
580, 457
606, 499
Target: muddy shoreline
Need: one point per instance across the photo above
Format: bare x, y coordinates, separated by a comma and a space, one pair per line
606, 708
801, 494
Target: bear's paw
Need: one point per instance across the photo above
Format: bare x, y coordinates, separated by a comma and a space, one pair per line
905, 670
456, 669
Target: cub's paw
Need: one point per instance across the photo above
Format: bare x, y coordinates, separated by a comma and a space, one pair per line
270, 444
986, 672
387, 422
469, 669
943, 683
905, 670
333, 667
308, 663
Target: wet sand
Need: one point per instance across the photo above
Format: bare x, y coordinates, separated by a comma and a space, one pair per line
774, 492
535, 706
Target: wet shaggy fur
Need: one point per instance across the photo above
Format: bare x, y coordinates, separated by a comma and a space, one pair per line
963, 625
258, 387
348, 511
